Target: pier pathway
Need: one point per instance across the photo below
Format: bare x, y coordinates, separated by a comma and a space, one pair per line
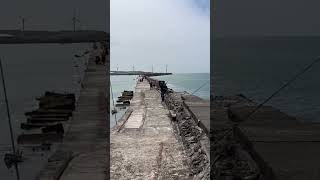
200, 108
290, 147
83, 153
144, 145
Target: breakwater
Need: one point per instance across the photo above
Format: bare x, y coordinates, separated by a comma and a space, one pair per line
192, 121
142, 73
32, 37
151, 132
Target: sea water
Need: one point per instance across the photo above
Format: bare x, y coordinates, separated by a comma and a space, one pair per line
258, 66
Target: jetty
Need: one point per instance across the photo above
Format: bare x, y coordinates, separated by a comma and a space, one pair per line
155, 140
62, 37
141, 73
83, 151
279, 145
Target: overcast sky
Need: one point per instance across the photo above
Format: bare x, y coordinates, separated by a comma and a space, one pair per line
267, 17
54, 14
160, 32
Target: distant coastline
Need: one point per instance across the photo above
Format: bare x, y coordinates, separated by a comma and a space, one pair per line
24, 37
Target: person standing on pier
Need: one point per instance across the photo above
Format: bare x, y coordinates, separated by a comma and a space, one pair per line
104, 53
151, 84
163, 89
96, 53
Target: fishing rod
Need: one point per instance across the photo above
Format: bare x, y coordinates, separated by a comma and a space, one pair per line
200, 87
113, 102
14, 152
283, 86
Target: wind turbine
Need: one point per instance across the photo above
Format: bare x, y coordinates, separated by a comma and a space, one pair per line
75, 20
23, 20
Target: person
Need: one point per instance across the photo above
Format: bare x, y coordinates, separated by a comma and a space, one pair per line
104, 53
96, 53
163, 89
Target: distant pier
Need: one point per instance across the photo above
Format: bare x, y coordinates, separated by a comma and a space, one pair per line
62, 37
113, 73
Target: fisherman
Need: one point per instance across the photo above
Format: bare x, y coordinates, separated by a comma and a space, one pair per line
150, 84
163, 89
96, 53
104, 53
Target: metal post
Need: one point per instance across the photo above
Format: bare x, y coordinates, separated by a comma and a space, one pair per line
9, 118
23, 24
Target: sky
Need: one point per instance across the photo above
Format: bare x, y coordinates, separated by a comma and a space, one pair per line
266, 17
54, 14
146, 33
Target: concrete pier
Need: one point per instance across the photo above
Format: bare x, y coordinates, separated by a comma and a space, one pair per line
137, 73
290, 147
34, 37
144, 145
200, 109
83, 152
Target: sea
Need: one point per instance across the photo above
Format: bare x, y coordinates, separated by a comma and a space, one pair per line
257, 66
29, 71
197, 83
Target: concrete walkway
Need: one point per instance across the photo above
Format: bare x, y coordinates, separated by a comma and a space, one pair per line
146, 146
83, 153
291, 148
199, 108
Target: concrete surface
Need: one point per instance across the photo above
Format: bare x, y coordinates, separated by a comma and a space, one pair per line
86, 137
200, 108
289, 146
146, 147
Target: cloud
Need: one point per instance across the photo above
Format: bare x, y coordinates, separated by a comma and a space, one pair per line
159, 32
